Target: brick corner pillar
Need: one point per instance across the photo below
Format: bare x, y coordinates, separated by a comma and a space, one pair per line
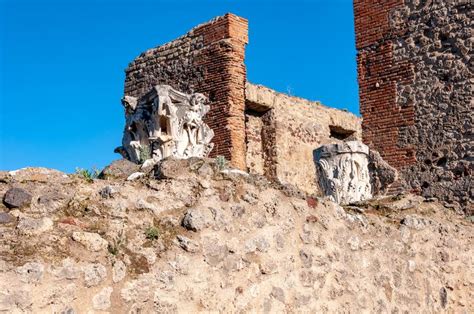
209, 59
379, 73
224, 40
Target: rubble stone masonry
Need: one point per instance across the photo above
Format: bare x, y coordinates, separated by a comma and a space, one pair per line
281, 145
209, 59
416, 92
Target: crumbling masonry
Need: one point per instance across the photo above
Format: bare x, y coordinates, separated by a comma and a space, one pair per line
416, 92
415, 97
256, 128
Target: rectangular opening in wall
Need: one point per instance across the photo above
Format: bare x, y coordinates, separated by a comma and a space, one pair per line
253, 133
340, 133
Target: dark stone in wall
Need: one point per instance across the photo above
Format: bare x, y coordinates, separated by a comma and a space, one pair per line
17, 197
439, 45
415, 92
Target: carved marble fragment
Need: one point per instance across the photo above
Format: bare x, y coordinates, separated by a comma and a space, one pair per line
343, 171
163, 123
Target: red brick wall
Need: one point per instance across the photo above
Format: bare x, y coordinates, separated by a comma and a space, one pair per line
210, 60
378, 76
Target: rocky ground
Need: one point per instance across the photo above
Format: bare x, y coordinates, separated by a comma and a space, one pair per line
186, 237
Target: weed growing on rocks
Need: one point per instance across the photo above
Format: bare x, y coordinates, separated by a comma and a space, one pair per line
152, 233
221, 163
88, 174
116, 245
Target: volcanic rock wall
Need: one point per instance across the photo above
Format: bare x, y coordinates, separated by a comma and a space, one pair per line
209, 59
416, 92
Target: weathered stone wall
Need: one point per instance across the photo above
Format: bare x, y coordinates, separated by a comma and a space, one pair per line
209, 59
416, 92
223, 245
292, 129
255, 155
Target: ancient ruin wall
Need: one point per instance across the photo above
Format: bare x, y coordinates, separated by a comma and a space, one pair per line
223, 246
291, 128
416, 91
209, 59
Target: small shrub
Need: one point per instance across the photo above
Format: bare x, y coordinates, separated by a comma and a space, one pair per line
145, 153
221, 163
152, 233
88, 174
114, 247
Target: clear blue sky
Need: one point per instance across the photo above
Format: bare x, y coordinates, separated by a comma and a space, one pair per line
62, 66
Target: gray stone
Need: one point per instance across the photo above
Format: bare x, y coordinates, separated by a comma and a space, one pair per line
415, 222
307, 278
6, 218
101, 301
187, 244
12, 300
301, 300
172, 168
206, 170
32, 226
262, 244
443, 295
94, 274
138, 290
119, 270
194, 220
268, 267
119, 169
164, 304
306, 259
68, 270
237, 210
17, 197
214, 252
278, 294
107, 192
31, 272
259, 243
53, 200
382, 175
233, 263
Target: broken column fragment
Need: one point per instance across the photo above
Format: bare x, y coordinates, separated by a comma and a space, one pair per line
163, 123
344, 172
349, 172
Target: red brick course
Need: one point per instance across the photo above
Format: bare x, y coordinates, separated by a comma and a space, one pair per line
378, 76
210, 60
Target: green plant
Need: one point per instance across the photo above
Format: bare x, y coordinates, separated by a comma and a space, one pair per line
88, 174
145, 153
152, 233
221, 163
117, 243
